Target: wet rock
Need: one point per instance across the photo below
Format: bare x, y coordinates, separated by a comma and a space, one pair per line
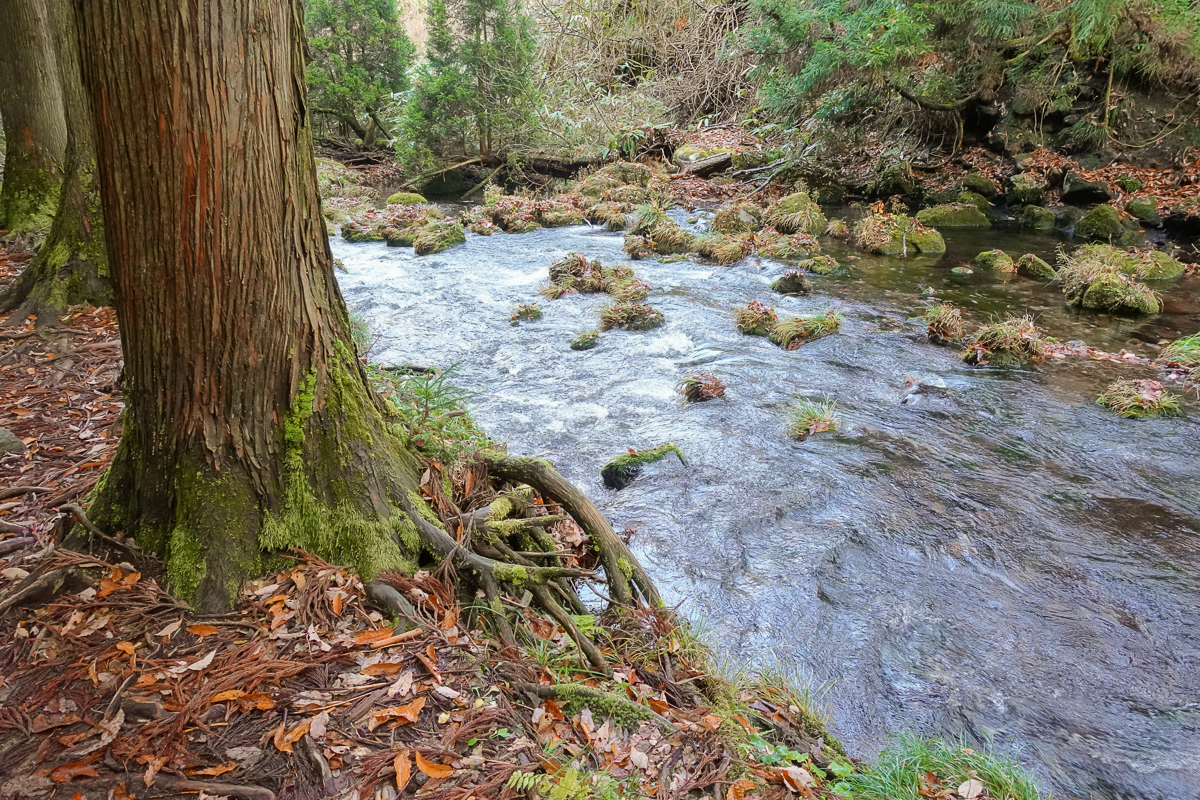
792, 282
995, 259
622, 470
1037, 218
9, 443
1143, 208
1031, 266
977, 200
1102, 222
1112, 292
980, 184
954, 215
1028, 190
1077, 190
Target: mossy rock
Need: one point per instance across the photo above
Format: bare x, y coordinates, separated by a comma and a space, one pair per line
1128, 184
1143, 208
1038, 218
738, 218
980, 184
400, 237
1028, 190
438, 236
832, 194
406, 199
940, 197
1110, 293
820, 265
586, 340
688, 153
359, 233
1031, 266
954, 215
1102, 222
995, 259
977, 200
792, 282
894, 178
620, 472
1165, 267
797, 213
928, 242
562, 219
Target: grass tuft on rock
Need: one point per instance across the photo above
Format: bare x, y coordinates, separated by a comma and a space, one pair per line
630, 316
791, 333
770, 243
1031, 266
896, 234
756, 319
820, 265
838, 229
1185, 352
697, 387
797, 213
1009, 343
586, 340
911, 767
944, 323
1140, 399
793, 281
741, 217
807, 417
1098, 277
527, 313
726, 248
438, 236
620, 472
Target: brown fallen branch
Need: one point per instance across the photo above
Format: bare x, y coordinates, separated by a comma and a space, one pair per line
82, 518
216, 789
17, 491
18, 543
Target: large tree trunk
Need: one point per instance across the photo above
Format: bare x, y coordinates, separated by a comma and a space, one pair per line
71, 266
35, 134
251, 425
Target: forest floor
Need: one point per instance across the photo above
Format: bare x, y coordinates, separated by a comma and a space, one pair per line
111, 688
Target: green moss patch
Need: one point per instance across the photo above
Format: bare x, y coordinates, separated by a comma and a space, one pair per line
1102, 222
620, 472
995, 259
1031, 266
896, 234
954, 215
756, 319
792, 282
406, 199
797, 213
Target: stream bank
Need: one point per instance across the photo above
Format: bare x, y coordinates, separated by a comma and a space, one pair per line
980, 551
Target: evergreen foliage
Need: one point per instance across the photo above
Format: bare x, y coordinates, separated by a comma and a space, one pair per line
360, 57
474, 92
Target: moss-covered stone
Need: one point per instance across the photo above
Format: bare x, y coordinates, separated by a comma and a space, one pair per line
1143, 208
406, 199
355, 232
1037, 218
1028, 190
1102, 222
620, 472
954, 215
1031, 266
820, 265
895, 177
1113, 292
1164, 267
980, 184
895, 234
930, 241
975, 199
995, 259
586, 340
738, 218
792, 282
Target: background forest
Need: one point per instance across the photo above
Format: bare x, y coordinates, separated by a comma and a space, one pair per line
586, 78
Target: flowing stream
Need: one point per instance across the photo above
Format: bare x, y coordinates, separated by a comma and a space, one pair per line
977, 551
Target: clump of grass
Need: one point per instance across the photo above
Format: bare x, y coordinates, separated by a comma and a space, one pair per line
526, 312
944, 323
756, 319
792, 282
1098, 277
791, 333
1139, 399
629, 290
726, 248
646, 218
772, 244
797, 213
911, 767
586, 340
1185, 352
1011, 342
611, 214
820, 265
740, 217
807, 417
696, 387
637, 247
630, 316
438, 236
838, 229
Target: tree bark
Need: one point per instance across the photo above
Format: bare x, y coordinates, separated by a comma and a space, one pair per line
71, 266
31, 106
251, 425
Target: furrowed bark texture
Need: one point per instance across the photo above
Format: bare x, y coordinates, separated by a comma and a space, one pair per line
35, 135
251, 423
71, 266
